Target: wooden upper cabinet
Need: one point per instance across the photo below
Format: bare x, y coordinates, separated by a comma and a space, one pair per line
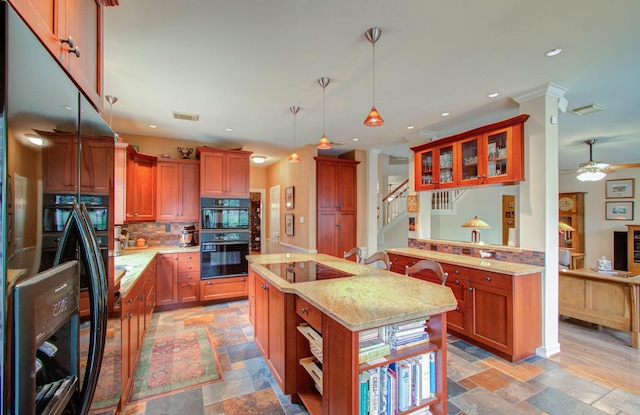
490, 154
223, 173
59, 162
178, 190
96, 169
141, 187
54, 20
336, 184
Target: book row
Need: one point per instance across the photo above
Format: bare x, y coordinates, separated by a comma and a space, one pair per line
398, 386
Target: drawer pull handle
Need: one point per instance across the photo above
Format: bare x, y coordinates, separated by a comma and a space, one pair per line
470, 289
488, 278
130, 300
457, 271
457, 281
208, 282
304, 310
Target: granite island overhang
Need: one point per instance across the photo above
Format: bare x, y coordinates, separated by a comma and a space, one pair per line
372, 297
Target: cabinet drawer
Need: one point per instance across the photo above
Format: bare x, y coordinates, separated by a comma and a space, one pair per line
400, 262
189, 257
492, 279
309, 313
188, 266
455, 271
223, 288
188, 276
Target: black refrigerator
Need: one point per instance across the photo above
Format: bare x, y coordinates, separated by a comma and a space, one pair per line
57, 219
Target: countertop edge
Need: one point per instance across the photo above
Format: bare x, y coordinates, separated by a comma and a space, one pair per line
501, 267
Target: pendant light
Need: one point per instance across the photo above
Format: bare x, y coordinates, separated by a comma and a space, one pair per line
294, 158
111, 100
324, 143
373, 119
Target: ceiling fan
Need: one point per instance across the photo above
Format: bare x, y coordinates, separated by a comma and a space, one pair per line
594, 170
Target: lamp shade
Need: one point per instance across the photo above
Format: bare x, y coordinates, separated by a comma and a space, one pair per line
374, 119
476, 223
563, 227
324, 143
294, 158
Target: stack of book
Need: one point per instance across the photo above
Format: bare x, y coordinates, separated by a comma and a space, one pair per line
408, 334
373, 344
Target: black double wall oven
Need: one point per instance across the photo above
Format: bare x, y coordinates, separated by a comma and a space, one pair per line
224, 237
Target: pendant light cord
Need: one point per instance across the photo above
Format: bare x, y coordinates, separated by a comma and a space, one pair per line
373, 80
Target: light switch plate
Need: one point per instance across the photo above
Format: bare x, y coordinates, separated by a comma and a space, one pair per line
301, 219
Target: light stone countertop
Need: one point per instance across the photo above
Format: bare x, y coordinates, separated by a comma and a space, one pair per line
371, 298
502, 267
136, 260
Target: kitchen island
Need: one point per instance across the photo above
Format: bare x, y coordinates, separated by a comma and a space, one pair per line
308, 332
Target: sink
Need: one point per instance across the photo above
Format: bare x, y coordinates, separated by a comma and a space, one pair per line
125, 267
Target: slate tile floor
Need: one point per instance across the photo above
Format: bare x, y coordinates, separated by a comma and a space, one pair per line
478, 382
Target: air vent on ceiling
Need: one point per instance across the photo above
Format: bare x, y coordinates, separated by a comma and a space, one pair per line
337, 143
398, 160
588, 109
185, 116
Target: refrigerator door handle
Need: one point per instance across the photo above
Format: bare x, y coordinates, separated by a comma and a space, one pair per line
79, 229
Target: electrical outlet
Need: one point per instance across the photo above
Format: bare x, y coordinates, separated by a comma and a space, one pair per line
466, 251
433, 247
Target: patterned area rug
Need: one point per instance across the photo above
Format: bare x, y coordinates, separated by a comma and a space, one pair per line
171, 362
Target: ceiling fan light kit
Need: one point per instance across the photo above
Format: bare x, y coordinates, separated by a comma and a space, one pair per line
591, 171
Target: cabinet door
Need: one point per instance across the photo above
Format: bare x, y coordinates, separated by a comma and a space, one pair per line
276, 333
168, 191
212, 174
326, 242
500, 155
327, 185
261, 326
347, 188
223, 288
188, 291
492, 316
167, 276
96, 170
423, 170
237, 174
470, 158
347, 232
445, 172
144, 189
59, 160
83, 21
252, 296
189, 192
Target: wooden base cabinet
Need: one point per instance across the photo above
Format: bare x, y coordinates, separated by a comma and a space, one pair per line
223, 288
274, 333
501, 313
167, 290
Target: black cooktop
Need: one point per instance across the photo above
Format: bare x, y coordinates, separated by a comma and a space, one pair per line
303, 271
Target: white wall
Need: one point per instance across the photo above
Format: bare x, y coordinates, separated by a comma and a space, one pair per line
484, 202
598, 230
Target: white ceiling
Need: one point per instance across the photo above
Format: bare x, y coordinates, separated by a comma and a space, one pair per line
241, 64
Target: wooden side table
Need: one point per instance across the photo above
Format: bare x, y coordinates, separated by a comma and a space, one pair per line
577, 260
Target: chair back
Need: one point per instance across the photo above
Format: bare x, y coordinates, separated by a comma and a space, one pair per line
564, 259
353, 251
379, 256
427, 264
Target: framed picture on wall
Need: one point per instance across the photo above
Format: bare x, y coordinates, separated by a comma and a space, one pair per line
289, 202
288, 224
412, 203
412, 224
619, 210
621, 188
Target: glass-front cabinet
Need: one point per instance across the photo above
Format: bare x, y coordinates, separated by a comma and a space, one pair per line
490, 154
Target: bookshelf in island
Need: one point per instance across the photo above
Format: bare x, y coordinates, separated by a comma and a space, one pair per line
326, 338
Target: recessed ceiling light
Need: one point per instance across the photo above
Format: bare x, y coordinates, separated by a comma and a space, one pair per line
35, 140
493, 95
258, 159
553, 52
445, 114
68, 108
410, 127
153, 126
356, 139
228, 129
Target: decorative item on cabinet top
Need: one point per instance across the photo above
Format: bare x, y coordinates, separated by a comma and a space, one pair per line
185, 152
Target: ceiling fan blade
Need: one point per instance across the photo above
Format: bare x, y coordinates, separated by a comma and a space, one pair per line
623, 166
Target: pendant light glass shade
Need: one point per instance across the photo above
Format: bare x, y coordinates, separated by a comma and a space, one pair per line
294, 158
324, 143
374, 119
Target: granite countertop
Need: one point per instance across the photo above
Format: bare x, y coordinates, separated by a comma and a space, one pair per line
134, 261
502, 267
371, 298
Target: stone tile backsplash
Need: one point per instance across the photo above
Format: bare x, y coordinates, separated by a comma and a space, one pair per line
157, 233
